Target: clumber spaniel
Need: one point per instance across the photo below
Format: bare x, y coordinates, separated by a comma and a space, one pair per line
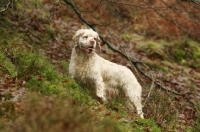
88, 68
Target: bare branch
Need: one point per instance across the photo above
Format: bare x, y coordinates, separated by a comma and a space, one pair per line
79, 14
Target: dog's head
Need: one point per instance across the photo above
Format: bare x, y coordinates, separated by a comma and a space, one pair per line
86, 40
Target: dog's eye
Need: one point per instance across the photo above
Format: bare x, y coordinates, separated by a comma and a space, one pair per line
85, 37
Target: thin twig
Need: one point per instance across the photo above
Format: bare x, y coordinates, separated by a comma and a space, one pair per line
4, 8
151, 88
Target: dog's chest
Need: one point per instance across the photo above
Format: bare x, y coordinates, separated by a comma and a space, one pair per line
85, 71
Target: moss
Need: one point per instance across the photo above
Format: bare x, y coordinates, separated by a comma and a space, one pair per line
138, 27
7, 66
168, 63
44, 86
7, 45
126, 36
153, 45
64, 67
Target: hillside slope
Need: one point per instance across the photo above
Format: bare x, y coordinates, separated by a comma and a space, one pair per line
37, 92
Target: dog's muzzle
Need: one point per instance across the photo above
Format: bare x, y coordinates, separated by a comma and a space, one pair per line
88, 49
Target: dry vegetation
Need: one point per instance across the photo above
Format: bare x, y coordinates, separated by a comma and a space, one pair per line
35, 46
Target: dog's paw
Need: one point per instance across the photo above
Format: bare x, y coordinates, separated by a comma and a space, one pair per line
101, 99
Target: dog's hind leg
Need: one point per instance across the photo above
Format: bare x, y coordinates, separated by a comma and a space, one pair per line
135, 97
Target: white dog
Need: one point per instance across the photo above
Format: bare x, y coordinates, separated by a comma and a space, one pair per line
88, 68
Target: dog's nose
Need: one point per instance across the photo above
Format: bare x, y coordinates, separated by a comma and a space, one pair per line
92, 42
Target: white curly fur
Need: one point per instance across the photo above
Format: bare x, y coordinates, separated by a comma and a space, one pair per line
89, 68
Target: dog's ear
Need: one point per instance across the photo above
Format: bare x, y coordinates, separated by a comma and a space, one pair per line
97, 38
98, 42
78, 34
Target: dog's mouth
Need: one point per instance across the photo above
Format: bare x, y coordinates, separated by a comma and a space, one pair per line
88, 49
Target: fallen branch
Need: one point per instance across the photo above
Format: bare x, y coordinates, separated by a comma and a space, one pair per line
5, 7
135, 63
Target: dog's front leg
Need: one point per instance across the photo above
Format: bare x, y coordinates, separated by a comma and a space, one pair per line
100, 90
